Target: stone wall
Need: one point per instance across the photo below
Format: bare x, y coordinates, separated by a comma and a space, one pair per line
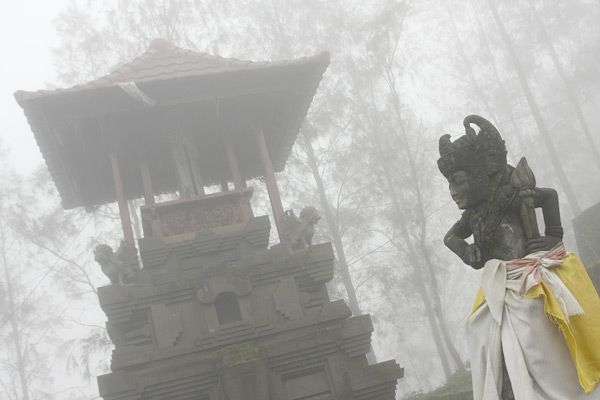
587, 234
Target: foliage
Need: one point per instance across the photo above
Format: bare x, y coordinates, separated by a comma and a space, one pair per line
26, 327
457, 387
47, 283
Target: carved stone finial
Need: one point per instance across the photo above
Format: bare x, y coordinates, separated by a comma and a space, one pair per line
523, 180
119, 267
298, 232
523, 177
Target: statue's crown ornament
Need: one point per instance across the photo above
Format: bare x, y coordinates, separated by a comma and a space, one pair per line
484, 150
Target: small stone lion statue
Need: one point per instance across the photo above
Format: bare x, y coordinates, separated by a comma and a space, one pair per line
298, 232
119, 267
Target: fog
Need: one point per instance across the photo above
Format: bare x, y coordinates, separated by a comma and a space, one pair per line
402, 74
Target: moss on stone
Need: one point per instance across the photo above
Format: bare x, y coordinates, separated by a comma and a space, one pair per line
243, 353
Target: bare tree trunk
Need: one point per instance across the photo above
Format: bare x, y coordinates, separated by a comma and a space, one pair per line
504, 97
401, 224
14, 325
415, 263
554, 158
572, 98
467, 64
414, 176
333, 227
435, 295
335, 232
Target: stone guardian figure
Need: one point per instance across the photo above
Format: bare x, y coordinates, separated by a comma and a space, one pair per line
533, 332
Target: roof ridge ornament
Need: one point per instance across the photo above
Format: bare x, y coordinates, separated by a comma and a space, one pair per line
136, 93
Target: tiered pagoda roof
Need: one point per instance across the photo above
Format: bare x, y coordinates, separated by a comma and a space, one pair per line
136, 108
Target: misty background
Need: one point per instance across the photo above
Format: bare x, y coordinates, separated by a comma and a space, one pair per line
402, 74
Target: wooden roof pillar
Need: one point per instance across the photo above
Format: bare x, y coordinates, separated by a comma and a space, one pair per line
270, 181
185, 158
118, 183
233, 162
146, 179
121, 200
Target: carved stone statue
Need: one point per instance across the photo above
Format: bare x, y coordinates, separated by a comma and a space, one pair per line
119, 267
493, 197
298, 232
529, 283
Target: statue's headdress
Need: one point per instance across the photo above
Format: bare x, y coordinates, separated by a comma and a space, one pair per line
485, 150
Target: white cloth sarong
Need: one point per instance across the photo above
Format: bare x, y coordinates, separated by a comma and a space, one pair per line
535, 353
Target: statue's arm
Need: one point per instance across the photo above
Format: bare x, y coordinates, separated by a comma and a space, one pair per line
455, 241
547, 200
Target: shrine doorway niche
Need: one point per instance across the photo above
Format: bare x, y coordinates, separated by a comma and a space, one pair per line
228, 308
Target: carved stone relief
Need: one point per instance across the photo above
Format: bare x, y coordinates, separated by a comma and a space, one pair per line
167, 325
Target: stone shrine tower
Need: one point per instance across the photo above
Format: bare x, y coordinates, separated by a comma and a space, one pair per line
212, 312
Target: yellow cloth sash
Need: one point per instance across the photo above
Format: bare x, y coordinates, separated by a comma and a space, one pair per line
581, 332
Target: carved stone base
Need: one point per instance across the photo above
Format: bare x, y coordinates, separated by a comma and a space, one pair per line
216, 314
